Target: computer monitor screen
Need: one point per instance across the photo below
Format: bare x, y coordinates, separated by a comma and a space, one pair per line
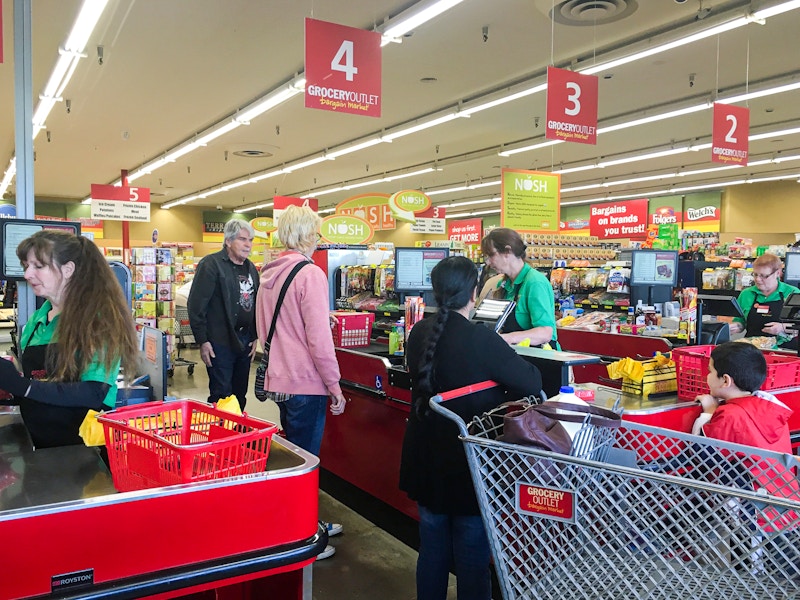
720, 306
413, 266
13, 231
791, 270
654, 267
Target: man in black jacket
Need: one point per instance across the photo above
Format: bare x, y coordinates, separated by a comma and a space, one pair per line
222, 312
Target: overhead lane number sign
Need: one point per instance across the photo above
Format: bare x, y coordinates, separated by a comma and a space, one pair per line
115, 203
730, 136
343, 69
571, 106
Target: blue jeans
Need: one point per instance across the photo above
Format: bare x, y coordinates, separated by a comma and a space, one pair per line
303, 420
229, 372
457, 542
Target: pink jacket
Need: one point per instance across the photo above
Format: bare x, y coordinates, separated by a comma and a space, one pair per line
302, 359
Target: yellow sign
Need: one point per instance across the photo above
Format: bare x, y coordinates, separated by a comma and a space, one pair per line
346, 229
406, 204
530, 200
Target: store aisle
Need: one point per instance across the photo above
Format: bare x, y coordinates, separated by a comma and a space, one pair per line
369, 562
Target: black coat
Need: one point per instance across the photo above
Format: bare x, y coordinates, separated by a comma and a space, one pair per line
433, 468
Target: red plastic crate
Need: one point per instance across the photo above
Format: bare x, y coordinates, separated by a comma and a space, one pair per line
691, 369
167, 443
353, 330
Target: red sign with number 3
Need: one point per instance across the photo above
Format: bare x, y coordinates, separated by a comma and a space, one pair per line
571, 106
730, 137
343, 69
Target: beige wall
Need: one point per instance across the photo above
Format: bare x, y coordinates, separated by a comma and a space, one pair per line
769, 213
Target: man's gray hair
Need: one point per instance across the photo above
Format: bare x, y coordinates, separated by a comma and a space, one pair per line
233, 227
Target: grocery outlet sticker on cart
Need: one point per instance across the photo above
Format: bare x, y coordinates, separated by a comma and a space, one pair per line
551, 503
114, 203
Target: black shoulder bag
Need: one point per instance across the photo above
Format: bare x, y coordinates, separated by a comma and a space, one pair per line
261, 371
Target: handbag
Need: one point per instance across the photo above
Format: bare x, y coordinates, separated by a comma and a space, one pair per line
539, 425
261, 370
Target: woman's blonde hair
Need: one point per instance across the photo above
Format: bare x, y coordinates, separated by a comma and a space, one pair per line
298, 227
768, 261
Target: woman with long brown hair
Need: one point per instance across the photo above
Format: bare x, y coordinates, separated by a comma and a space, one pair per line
71, 349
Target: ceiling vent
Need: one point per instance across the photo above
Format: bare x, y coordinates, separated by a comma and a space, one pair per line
592, 12
252, 153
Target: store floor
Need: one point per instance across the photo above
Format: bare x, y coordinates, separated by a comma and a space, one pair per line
369, 562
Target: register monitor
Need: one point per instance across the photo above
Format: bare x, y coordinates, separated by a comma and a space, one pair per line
412, 271
791, 269
654, 273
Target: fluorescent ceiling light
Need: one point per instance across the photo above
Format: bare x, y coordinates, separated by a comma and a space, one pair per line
766, 13
576, 169
689, 39
630, 159
85, 24
532, 147
354, 148
305, 163
417, 15
654, 118
419, 127
263, 176
264, 205
266, 103
761, 93
327, 210
470, 202
498, 101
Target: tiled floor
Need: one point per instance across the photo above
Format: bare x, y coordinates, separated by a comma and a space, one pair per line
369, 562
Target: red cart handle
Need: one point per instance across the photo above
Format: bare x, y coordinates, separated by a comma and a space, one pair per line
467, 389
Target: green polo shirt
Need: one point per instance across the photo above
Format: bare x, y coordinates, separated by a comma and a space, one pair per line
39, 332
750, 296
536, 303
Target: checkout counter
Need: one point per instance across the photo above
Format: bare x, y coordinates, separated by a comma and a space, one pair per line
363, 445
69, 534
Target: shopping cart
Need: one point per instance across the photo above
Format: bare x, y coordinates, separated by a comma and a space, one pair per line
656, 514
185, 337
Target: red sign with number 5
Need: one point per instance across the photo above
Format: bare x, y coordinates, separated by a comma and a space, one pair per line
571, 106
730, 137
343, 68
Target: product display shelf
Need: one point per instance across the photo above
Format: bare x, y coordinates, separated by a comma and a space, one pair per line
368, 288
154, 288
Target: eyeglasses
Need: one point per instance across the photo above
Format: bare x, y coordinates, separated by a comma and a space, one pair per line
762, 276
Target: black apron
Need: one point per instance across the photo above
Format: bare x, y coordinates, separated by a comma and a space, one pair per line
512, 324
770, 312
48, 425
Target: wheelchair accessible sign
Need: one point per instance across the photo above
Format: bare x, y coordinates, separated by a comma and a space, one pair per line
550, 503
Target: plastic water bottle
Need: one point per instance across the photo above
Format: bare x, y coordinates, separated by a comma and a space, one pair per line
567, 395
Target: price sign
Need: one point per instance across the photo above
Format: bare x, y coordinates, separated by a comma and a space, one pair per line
571, 106
343, 69
115, 203
730, 137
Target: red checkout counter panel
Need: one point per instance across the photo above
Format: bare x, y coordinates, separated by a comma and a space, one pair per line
68, 534
363, 445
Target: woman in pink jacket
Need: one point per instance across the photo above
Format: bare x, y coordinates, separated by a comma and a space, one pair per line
303, 372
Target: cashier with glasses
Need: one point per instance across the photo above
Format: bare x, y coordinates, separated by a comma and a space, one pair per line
762, 303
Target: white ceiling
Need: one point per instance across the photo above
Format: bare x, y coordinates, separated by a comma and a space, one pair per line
172, 68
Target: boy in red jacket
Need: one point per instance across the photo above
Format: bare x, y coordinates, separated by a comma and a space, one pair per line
735, 411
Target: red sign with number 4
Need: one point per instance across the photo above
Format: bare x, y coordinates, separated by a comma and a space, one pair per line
730, 137
343, 69
571, 106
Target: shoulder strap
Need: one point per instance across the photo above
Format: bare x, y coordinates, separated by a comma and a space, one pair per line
285, 287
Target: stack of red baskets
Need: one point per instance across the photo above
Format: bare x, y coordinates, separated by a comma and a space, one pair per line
691, 369
166, 443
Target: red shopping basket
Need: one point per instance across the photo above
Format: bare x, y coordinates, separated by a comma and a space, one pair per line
354, 329
691, 370
167, 443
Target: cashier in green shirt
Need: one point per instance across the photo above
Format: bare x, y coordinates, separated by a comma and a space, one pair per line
534, 317
71, 348
762, 303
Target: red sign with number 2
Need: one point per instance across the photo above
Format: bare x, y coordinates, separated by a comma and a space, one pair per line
343, 69
571, 106
730, 136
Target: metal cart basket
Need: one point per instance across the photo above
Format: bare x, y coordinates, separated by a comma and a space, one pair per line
655, 514
185, 339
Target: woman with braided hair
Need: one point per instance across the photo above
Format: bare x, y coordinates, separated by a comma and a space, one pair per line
445, 353
71, 348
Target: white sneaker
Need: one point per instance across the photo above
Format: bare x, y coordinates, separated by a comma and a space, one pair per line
327, 553
334, 529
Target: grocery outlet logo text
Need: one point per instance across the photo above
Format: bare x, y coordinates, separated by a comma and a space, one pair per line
336, 98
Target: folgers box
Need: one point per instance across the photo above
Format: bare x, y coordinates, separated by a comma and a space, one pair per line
631, 329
